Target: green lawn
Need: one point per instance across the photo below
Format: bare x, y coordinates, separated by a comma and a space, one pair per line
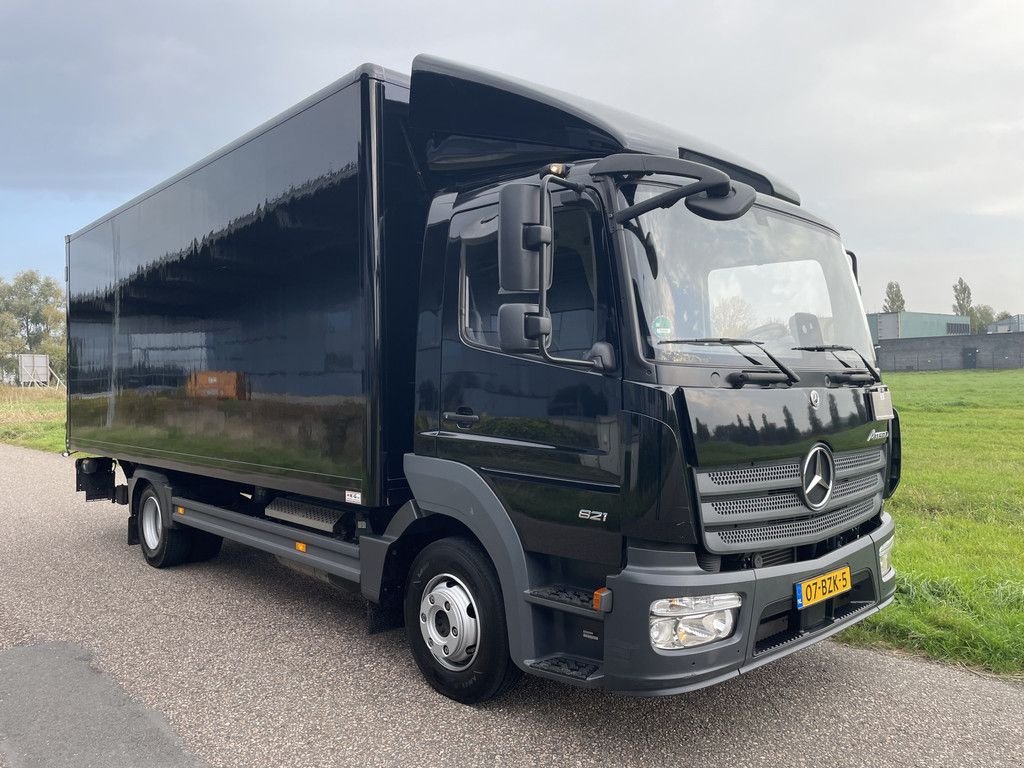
959, 513
33, 418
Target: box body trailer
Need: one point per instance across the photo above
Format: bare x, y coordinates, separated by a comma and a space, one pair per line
560, 390
264, 262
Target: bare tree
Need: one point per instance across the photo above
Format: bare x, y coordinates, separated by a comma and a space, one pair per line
732, 316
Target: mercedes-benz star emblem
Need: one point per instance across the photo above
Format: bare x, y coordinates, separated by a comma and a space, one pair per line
817, 476
815, 398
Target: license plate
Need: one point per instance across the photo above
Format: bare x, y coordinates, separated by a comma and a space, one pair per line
880, 404
822, 587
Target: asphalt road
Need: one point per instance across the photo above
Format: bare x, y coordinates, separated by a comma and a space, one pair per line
240, 662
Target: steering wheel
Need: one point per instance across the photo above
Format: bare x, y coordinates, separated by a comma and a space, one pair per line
769, 332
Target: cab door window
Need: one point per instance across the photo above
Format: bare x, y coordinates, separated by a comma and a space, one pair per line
573, 299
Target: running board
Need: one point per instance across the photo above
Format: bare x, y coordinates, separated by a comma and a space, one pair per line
322, 552
575, 669
560, 597
303, 513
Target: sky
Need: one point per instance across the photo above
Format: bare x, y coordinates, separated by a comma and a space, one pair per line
900, 123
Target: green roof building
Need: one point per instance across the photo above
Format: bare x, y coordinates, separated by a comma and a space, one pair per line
913, 325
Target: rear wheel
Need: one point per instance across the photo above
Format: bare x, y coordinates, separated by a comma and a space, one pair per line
161, 546
205, 546
455, 622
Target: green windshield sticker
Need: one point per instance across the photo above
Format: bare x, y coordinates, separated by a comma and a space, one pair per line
661, 326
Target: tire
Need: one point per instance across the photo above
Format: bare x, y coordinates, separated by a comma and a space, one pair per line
205, 546
460, 640
161, 546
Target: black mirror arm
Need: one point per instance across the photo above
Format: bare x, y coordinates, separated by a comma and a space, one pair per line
545, 253
714, 188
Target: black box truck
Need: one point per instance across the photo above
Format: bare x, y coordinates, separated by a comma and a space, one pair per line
560, 390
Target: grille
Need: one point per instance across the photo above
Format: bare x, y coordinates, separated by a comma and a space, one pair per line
776, 502
795, 531
853, 487
851, 462
768, 474
777, 557
758, 507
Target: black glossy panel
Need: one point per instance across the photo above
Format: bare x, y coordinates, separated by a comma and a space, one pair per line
548, 437
403, 212
222, 322
732, 426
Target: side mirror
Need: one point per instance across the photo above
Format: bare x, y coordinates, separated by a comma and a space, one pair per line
520, 238
520, 327
725, 207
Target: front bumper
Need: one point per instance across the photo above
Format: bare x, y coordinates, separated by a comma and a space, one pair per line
767, 628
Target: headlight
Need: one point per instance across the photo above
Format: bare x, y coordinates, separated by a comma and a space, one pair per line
885, 560
685, 622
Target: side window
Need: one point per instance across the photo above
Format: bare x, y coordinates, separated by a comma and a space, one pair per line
572, 298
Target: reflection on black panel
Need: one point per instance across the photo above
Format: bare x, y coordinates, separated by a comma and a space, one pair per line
220, 319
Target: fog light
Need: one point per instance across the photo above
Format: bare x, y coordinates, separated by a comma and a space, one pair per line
885, 560
686, 622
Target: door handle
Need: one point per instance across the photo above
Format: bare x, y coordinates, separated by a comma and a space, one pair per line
464, 418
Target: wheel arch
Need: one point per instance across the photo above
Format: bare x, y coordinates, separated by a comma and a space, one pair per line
143, 478
451, 499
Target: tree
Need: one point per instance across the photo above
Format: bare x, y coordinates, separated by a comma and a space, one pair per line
9, 342
894, 298
1004, 315
962, 297
732, 316
982, 316
32, 318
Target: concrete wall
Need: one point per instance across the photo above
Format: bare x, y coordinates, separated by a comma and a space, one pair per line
937, 353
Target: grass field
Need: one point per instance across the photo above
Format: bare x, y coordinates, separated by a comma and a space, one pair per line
32, 417
960, 512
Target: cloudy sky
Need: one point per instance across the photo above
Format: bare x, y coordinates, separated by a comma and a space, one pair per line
902, 123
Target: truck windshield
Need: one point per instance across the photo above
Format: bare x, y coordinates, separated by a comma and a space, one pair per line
767, 276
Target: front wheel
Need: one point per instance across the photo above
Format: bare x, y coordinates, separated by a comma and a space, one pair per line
455, 622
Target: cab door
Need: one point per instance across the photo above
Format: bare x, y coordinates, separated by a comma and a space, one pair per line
547, 438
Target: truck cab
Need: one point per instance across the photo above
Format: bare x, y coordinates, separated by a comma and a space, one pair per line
694, 424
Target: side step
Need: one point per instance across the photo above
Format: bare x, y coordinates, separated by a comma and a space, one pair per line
303, 513
311, 549
573, 668
568, 599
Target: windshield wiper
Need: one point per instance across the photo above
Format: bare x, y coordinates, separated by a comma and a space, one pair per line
833, 348
791, 377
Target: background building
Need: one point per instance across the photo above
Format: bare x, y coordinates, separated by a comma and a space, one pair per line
1013, 324
914, 325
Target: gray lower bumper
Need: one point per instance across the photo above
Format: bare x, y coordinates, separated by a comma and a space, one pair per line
633, 666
